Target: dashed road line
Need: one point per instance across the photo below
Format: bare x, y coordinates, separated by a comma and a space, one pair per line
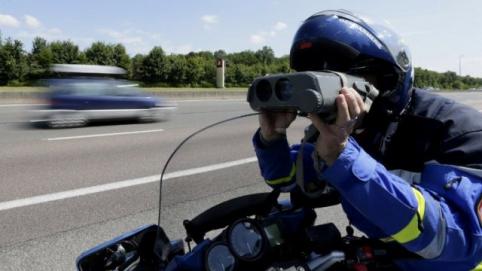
102, 135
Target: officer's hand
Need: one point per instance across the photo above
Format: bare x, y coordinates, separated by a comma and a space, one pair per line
333, 137
274, 124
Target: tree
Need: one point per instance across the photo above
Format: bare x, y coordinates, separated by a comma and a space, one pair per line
156, 68
64, 52
120, 57
220, 54
40, 58
178, 70
244, 57
195, 70
265, 55
100, 53
136, 70
209, 74
82, 58
13, 62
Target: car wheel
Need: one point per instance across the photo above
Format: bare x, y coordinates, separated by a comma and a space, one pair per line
148, 116
63, 120
166, 115
79, 120
56, 120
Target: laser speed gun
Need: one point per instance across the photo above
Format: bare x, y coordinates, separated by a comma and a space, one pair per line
306, 92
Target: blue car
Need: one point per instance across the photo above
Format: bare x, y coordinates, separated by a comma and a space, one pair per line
77, 101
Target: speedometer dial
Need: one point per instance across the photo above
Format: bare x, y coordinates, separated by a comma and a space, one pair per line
219, 258
246, 240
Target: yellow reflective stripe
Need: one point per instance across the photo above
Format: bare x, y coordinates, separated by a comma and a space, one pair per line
387, 239
412, 231
477, 268
283, 180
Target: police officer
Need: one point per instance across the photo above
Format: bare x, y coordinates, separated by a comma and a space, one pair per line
408, 169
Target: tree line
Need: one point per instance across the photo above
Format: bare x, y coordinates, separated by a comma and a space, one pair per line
156, 68
448, 80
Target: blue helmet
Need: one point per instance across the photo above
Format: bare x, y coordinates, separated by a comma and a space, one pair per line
340, 41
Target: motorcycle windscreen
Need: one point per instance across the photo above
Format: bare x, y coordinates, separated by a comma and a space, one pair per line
214, 166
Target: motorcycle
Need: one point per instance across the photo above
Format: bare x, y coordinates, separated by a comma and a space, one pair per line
256, 229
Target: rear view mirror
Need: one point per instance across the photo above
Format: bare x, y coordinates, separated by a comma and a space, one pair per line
135, 250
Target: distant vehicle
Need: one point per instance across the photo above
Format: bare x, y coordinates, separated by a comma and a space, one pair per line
77, 100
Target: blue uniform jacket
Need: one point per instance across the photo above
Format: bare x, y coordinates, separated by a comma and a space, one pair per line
438, 218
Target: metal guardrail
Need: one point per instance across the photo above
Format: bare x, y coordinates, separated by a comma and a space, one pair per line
33, 97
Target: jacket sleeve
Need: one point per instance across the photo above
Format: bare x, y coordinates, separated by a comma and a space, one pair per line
277, 162
405, 213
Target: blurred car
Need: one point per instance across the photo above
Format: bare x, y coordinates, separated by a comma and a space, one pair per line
77, 101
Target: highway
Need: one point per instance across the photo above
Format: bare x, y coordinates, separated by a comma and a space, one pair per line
66, 190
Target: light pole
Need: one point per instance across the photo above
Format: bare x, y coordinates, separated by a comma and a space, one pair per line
460, 64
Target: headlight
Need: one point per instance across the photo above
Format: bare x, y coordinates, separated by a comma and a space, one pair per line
219, 258
246, 240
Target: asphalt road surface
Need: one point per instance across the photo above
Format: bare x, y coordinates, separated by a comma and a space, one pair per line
66, 190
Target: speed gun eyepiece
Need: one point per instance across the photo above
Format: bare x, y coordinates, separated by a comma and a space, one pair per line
307, 92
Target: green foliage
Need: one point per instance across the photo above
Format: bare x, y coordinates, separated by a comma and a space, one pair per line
195, 69
177, 72
156, 66
136, 69
120, 56
100, 53
265, 55
447, 80
64, 52
39, 59
13, 62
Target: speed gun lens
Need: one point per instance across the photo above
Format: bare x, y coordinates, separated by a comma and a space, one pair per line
284, 89
263, 90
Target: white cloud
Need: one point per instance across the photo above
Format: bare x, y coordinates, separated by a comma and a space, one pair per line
279, 26
264, 36
126, 37
8, 21
31, 21
257, 39
209, 19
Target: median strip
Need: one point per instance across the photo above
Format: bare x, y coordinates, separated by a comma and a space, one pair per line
7, 205
102, 135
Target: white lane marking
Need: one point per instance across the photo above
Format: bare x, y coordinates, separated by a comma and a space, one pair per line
101, 135
7, 205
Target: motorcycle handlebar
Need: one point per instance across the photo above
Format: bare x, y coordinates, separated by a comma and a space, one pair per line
229, 211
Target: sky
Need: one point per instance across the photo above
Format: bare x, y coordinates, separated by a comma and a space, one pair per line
442, 35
